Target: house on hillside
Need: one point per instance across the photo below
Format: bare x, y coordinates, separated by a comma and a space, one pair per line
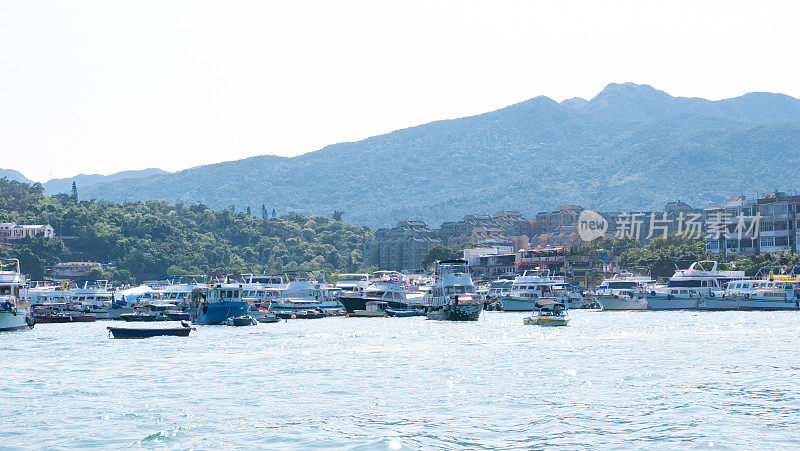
13, 231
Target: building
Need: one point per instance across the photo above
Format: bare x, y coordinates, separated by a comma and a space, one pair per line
455, 233
645, 226
13, 231
551, 258
401, 248
73, 270
739, 226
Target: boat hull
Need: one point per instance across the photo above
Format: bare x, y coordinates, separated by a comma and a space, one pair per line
664, 303
618, 303
124, 332
719, 303
456, 312
351, 304
767, 304
217, 312
547, 321
17, 320
511, 304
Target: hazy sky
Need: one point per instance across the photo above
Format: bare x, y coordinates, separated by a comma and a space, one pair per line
102, 86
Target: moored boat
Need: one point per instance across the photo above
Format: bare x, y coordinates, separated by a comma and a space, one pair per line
220, 302
687, 287
14, 310
453, 297
374, 309
141, 317
246, 320
624, 292
132, 332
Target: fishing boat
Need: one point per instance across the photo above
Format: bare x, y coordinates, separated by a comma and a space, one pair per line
14, 310
549, 314
246, 320
218, 303
624, 292
131, 332
453, 296
374, 309
534, 285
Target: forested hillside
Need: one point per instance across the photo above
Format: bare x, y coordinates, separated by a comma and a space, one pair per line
153, 239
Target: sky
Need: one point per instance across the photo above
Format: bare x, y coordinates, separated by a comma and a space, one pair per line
104, 86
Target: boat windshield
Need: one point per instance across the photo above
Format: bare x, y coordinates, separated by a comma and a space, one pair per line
684, 283
459, 289
621, 285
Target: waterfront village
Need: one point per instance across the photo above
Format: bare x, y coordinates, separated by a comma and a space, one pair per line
505, 262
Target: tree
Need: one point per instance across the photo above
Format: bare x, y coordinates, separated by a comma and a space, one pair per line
74, 195
264, 214
440, 253
273, 213
337, 215
248, 210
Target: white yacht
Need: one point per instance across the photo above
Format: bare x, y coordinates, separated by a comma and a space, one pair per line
390, 291
303, 296
687, 287
93, 296
535, 285
624, 292
453, 296
352, 285
15, 311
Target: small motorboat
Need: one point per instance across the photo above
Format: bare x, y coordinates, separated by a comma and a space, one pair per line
263, 315
245, 320
403, 313
52, 317
548, 313
373, 309
143, 317
131, 332
269, 318
178, 316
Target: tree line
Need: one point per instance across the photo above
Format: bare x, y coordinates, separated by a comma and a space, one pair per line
152, 239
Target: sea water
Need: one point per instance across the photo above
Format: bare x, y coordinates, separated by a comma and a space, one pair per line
609, 379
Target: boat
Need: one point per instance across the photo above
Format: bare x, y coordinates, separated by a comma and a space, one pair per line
624, 292
687, 287
386, 287
263, 315
246, 320
534, 285
301, 296
131, 332
764, 294
352, 285
549, 313
374, 309
178, 316
453, 296
14, 310
79, 317
218, 303
143, 317
403, 313
92, 296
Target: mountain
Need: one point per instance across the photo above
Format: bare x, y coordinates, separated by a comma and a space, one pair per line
13, 175
630, 147
64, 185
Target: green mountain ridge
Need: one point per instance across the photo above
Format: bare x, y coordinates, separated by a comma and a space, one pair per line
630, 147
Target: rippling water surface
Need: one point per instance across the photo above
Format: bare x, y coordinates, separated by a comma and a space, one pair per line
609, 379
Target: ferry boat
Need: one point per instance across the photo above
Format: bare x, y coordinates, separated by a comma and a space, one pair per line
15, 311
686, 288
624, 292
453, 296
764, 294
535, 285
220, 302
301, 296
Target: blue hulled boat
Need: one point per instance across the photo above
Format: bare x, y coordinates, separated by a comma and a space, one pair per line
220, 302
